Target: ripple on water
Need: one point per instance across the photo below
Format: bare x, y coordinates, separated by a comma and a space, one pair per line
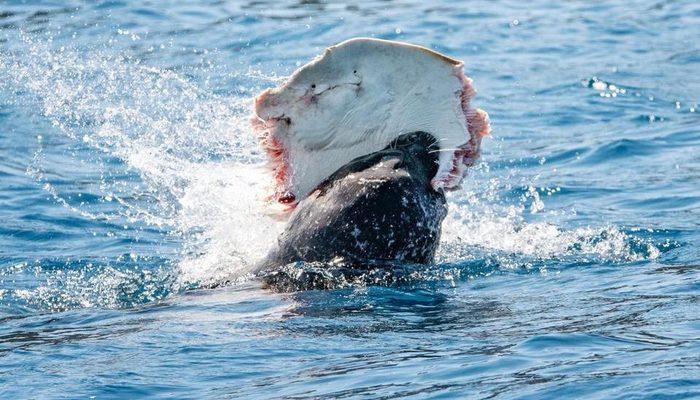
621, 148
568, 264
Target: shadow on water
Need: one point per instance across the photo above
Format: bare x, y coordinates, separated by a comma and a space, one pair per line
29, 332
376, 309
382, 298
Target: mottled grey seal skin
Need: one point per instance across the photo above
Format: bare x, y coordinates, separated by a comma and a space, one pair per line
378, 207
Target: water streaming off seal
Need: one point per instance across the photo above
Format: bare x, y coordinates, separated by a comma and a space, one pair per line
199, 169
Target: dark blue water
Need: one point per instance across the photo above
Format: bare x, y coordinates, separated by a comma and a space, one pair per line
129, 184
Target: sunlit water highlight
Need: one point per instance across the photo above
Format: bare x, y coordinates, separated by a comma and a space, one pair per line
130, 183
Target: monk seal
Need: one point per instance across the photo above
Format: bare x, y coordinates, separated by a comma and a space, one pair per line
362, 142
377, 207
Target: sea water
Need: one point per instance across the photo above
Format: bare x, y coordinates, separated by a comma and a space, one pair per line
132, 192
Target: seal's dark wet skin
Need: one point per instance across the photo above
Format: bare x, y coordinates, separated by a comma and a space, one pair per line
378, 207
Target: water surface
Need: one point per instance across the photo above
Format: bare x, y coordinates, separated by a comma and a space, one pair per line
129, 184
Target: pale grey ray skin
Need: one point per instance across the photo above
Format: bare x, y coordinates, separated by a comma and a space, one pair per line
357, 97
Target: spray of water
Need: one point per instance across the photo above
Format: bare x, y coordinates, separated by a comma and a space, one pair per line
196, 161
200, 169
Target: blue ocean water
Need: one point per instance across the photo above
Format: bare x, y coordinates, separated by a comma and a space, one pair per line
129, 186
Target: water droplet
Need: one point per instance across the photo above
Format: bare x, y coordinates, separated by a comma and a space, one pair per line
599, 85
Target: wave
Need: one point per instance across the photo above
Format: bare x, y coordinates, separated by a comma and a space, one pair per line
168, 151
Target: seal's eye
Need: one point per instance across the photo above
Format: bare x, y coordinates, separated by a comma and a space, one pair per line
313, 86
354, 72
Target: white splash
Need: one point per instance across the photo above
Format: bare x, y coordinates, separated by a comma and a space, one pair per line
193, 150
199, 162
477, 220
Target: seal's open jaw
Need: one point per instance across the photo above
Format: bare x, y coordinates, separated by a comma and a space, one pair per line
357, 97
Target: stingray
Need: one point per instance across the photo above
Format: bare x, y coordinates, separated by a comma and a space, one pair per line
355, 99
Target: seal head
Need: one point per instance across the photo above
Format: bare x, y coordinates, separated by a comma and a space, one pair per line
378, 207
